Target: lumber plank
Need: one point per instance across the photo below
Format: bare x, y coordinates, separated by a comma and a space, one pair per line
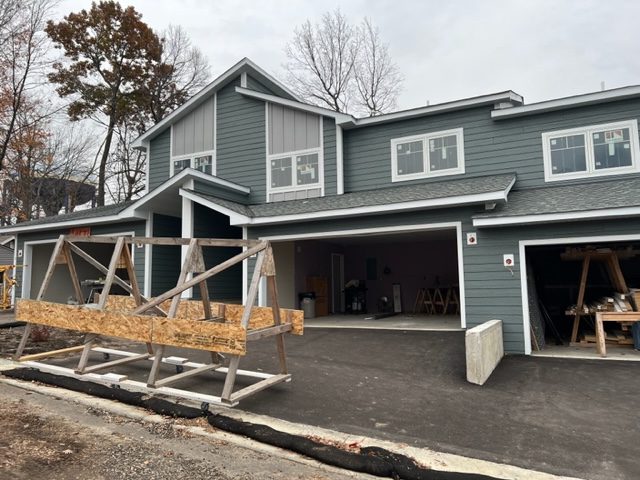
51, 353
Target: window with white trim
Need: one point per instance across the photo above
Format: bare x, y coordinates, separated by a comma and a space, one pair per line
607, 149
428, 155
198, 161
296, 170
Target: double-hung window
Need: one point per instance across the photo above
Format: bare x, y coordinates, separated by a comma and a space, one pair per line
427, 155
597, 150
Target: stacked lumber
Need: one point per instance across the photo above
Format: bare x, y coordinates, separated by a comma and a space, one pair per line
617, 338
619, 302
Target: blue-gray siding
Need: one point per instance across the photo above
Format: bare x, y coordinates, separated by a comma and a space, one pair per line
209, 189
241, 153
491, 146
330, 169
254, 84
226, 285
159, 158
165, 259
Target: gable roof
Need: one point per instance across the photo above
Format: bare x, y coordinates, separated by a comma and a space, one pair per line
441, 194
243, 66
596, 200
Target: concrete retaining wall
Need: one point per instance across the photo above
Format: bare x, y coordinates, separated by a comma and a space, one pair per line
484, 350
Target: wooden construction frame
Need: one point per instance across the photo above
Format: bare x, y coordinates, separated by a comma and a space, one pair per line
166, 320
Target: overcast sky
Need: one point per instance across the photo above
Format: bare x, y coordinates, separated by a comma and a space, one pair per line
446, 49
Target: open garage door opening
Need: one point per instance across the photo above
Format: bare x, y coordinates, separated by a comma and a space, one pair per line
371, 275
60, 288
569, 284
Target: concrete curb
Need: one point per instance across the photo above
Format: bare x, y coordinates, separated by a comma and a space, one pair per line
433, 459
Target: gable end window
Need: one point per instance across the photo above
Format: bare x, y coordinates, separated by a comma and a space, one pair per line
597, 150
199, 161
428, 155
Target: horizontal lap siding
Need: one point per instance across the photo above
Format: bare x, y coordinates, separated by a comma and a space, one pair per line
491, 146
241, 136
226, 285
490, 289
159, 159
330, 170
254, 84
166, 259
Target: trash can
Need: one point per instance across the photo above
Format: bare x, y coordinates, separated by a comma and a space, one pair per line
308, 304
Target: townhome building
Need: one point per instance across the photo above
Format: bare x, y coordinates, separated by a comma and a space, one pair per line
478, 198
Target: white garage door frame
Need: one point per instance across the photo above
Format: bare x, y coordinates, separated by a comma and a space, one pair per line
262, 297
553, 241
27, 259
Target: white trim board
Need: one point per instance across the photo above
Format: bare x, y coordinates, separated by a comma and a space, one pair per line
238, 219
522, 244
568, 102
389, 231
604, 214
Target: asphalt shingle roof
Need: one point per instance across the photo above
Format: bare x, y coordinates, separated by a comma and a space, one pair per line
569, 198
97, 212
370, 198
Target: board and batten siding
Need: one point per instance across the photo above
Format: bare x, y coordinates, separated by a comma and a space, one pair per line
195, 132
330, 156
241, 150
166, 261
491, 147
159, 159
292, 130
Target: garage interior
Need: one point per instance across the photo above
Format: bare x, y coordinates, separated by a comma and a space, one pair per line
61, 289
555, 274
361, 274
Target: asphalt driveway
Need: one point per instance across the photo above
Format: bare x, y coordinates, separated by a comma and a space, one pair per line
567, 417
563, 416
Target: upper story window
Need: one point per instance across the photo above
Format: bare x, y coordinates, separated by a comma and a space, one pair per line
193, 140
607, 149
296, 170
294, 154
428, 155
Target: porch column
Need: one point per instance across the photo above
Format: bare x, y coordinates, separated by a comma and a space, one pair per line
187, 232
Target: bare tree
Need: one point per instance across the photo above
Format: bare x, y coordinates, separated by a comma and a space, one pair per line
183, 70
377, 78
322, 60
23, 49
46, 167
336, 65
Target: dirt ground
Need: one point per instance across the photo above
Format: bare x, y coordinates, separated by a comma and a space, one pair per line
48, 437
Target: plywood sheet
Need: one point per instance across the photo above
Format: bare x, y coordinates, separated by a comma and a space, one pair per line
193, 310
117, 324
225, 338
216, 337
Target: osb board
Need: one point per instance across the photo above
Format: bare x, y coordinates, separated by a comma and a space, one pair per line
224, 338
193, 310
133, 327
217, 337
